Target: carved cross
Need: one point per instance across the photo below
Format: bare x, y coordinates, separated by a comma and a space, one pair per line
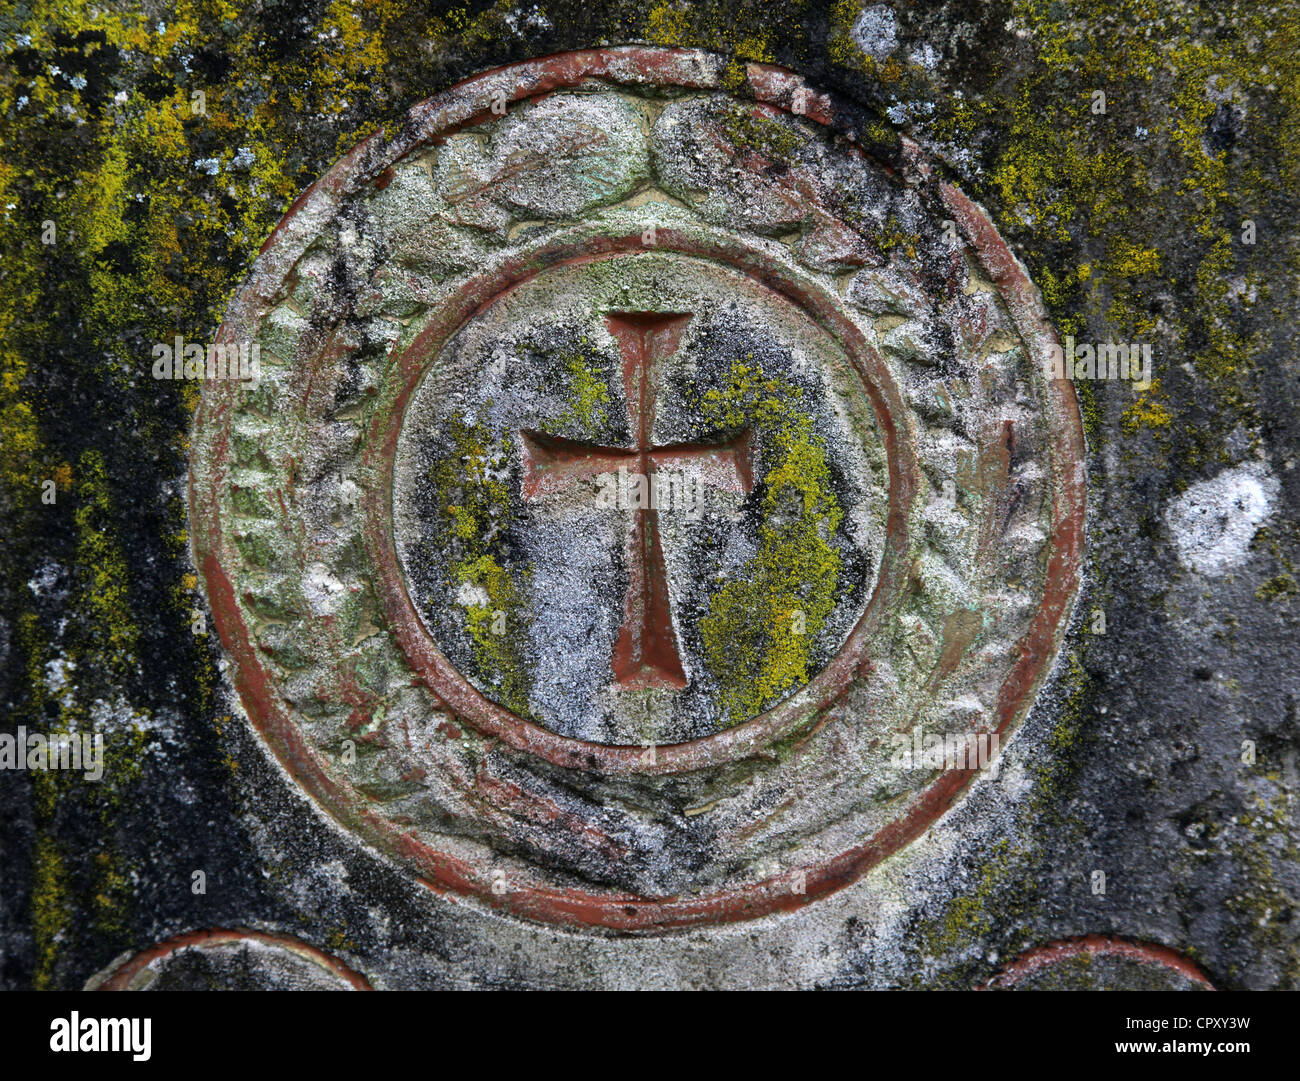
645, 652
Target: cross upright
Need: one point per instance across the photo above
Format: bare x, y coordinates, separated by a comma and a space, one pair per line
645, 651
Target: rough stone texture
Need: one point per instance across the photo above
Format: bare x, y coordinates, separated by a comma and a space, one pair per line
515, 370
1130, 221
639, 718
1097, 962
228, 961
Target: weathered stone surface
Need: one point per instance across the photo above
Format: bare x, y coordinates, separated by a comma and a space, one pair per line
1160, 754
659, 597
542, 375
1097, 963
229, 961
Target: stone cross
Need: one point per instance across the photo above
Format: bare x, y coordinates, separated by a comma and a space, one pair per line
645, 652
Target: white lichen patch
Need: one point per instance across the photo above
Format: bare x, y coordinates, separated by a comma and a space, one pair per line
469, 595
323, 591
1212, 523
876, 31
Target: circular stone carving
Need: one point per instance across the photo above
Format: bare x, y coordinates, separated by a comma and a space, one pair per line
237, 960
636, 495
633, 470
1100, 963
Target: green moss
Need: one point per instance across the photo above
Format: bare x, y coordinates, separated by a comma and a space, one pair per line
1006, 897
1090, 413
249, 503
969, 917
338, 941
1147, 412
476, 507
494, 625
50, 908
1282, 586
248, 451
762, 134
1064, 738
842, 50
759, 632
255, 548
893, 237
1279, 587
102, 570
100, 650
586, 392
476, 502
49, 901
744, 33
1263, 903
1103, 220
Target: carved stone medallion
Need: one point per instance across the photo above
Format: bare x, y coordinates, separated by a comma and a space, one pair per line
651, 508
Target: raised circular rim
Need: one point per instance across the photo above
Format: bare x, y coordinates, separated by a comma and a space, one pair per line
120, 976
467, 103
1034, 960
490, 718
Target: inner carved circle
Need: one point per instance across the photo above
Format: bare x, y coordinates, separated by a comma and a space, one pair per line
317, 609
639, 500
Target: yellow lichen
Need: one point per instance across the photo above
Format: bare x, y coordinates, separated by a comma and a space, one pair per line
50, 912
1146, 412
587, 395
475, 504
760, 629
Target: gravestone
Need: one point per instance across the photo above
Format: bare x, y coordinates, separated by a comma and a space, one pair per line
629, 529
647, 513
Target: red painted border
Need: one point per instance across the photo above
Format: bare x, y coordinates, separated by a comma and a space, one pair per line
465, 104
1147, 953
753, 735
120, 978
